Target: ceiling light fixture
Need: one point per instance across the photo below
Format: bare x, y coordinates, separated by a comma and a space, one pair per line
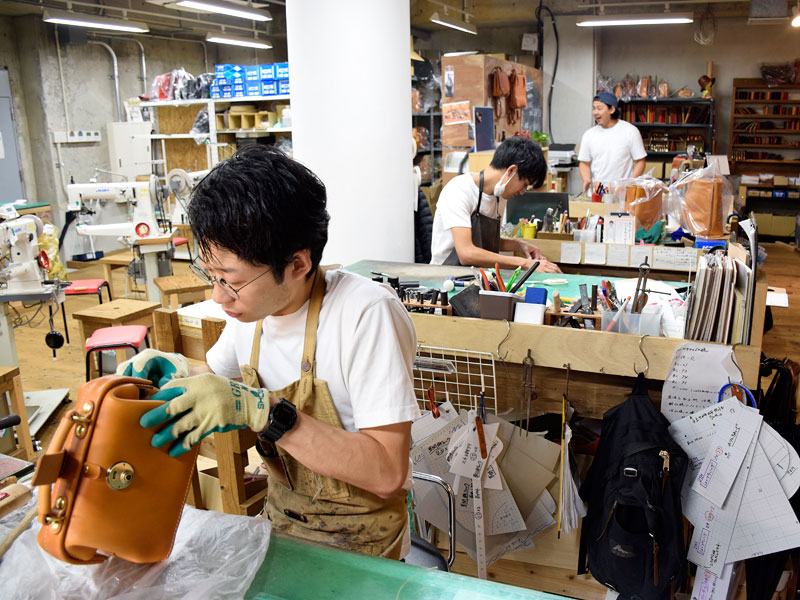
462, 53
225, 8
642, 19
796, 13
63, 17
235, 40
448, 21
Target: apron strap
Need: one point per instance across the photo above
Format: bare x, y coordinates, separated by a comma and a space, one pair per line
480, 194
308, 367
254, 353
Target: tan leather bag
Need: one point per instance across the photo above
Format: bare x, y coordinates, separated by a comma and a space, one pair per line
501, 87
112, 492
702, 208
647, 212
518, 97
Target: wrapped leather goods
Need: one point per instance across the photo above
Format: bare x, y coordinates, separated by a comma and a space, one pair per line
644, 200
705, 197
103, 489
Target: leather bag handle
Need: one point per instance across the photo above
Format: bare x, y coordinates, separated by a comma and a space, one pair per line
56, 446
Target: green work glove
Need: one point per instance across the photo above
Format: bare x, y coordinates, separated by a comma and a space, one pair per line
204, 404
159, 367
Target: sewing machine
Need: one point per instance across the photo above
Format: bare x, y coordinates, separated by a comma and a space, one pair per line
181, 183
147, 229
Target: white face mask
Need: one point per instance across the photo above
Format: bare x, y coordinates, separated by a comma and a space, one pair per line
500, 187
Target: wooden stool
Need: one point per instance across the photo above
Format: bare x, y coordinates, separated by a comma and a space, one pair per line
117, 312
11, 383
114, 261
182, 289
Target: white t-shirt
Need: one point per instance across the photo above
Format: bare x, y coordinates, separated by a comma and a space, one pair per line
366, 344
454, 208
611, 151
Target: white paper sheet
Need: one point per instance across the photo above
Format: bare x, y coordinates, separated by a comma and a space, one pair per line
594, 254
571, 253
696, 374
426, 425
708, 586
638, 253
617, 255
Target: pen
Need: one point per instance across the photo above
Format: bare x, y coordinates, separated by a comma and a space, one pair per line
524, 277
501, 286
617, 315
514, 276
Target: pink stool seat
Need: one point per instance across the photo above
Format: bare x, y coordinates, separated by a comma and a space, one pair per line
121, 335
85, 286
179, 241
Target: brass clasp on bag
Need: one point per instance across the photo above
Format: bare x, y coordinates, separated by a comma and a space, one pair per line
81, 427
119, 475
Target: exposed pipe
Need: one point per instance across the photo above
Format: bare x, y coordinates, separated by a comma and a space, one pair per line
144, 64
115, 76
61, 75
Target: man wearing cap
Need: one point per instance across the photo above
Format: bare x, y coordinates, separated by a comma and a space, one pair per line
612, 149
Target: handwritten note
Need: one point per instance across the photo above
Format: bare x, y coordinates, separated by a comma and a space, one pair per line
594, 254
571, 253
696, 374
617, 255
708, 586
639, 253
674, 259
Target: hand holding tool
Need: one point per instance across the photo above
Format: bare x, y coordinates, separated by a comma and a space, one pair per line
524, 277
204, 404
159, 367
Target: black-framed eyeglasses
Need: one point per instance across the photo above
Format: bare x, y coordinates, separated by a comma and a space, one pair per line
210, 279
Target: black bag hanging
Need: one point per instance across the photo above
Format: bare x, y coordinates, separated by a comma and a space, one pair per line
632, 536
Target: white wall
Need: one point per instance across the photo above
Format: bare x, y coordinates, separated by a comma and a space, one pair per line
670, 52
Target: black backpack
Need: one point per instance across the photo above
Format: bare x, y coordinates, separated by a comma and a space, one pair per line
632, 534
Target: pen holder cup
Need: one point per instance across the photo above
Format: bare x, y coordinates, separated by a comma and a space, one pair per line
636, 323
497, 305
529, 231
597, 197
529, 313
585, 235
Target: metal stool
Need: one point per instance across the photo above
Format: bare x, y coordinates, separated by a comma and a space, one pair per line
423, 553
180, 241
81, 287
114, 338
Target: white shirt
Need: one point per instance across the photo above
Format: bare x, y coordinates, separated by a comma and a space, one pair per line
366, 344
454, 208
611, 151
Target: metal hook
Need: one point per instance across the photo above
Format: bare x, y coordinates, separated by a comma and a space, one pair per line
508, 333
566, 387
646, 360
736, 364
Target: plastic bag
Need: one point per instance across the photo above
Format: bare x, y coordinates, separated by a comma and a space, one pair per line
161, 88
214, 556
605, 83
644, 197
628, 88
201, 86
704, 196
777, 74
199, 128
48, 243
182, 83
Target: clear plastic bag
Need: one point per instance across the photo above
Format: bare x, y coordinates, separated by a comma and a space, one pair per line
200, 130
628, 88
777, 74
644, 197
701, 199
605, 83
214, 556
161, 88
182, 84
201, 86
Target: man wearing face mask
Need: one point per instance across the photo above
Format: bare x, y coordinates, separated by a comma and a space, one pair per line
466, 227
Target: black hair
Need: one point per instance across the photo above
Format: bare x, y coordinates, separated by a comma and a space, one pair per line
263, 207
526, 154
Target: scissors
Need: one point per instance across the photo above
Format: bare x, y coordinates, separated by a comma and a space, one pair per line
640, 297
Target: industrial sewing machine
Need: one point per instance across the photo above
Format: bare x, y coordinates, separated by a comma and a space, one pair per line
181, 183
146, 199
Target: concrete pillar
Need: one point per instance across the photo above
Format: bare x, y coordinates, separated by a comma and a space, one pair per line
351, 120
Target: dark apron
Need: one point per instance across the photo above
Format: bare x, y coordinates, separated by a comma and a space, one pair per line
485, 230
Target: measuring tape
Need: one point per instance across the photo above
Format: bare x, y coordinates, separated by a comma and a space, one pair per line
480, 532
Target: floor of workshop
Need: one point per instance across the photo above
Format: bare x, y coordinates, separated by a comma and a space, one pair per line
39, 371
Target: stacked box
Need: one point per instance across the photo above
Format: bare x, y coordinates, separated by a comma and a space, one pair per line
269, 87
283, 86
253, 88
216, 92
266, 72
252, 73
282, 70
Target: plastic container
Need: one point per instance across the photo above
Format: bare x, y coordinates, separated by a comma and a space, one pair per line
529, 313
497, 305
529, 231
637, 323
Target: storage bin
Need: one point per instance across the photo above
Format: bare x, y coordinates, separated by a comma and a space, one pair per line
529, 313
638, 323
266, 71
497, 305
253, 89
265, 119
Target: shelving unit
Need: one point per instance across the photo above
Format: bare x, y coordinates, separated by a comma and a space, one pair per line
433, 124
765, 128
173, 120
670, 125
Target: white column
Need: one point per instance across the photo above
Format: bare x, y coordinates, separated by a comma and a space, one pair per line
351, 121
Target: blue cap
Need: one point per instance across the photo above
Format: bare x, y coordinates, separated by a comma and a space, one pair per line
606, 98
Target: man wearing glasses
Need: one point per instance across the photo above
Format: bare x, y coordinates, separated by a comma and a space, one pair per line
466, 226
318, 363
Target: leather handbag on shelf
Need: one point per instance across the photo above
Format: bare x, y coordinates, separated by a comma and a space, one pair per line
112, 492
646, 210
518, 97
702, 208
501, 87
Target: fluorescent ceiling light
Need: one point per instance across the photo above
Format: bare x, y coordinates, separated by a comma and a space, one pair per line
641, 19
448, 21
464, 53
225, 8
235, 40
63, 17
796, 13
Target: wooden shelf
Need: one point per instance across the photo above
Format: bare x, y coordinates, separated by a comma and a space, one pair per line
768, 131
746, 116
788, 101
786, 146
215, 100
673, 125
767, 161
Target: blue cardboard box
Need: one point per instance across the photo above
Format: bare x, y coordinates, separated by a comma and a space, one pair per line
252, 73
238, 94
269, 87
253, 89
282, 70
266, 71
219, 69
704, 243
283, 86
238, 87
216, 92
227, 94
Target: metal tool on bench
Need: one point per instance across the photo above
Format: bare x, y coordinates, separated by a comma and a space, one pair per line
640, 296
527, 391
586, 306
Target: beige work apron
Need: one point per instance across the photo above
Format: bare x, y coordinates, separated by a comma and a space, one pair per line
321, 508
